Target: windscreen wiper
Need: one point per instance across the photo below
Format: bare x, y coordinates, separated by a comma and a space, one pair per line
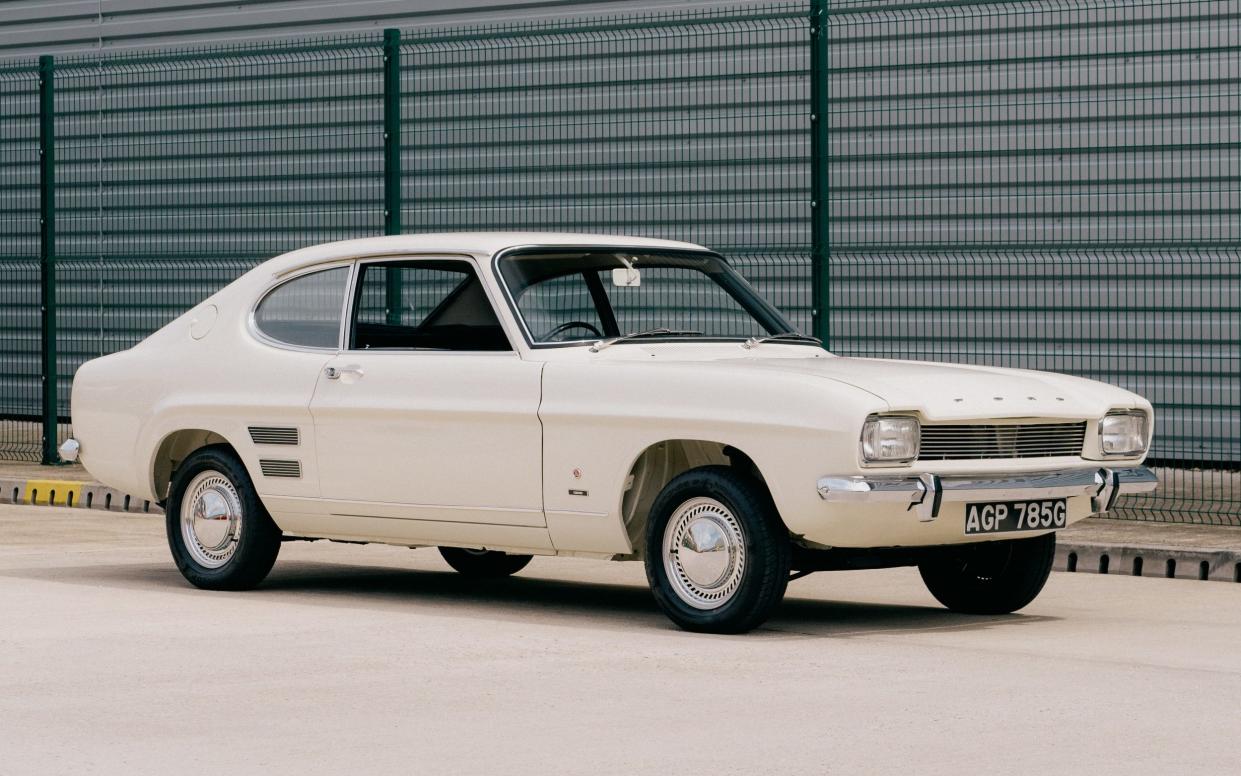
660, 332
754, 342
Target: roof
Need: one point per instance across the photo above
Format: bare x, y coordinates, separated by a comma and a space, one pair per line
477, 243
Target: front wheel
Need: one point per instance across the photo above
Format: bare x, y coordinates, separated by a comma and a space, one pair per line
717, 554
992, 577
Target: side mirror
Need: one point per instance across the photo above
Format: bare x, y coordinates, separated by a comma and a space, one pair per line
626, 277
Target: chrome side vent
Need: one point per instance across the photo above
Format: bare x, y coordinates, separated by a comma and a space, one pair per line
277, 468
274, 435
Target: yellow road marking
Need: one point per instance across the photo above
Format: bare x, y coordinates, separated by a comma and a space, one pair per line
53, 492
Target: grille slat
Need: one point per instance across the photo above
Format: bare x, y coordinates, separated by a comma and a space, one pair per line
274, 435
1033, 440
278, 468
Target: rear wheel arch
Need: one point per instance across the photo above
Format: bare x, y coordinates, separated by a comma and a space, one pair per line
178, 446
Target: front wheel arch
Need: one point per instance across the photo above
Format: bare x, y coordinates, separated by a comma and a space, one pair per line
660, 463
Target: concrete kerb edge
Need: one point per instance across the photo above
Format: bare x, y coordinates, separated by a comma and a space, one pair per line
72, 493
1208, 565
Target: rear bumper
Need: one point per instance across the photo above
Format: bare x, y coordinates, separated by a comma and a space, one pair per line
926, 494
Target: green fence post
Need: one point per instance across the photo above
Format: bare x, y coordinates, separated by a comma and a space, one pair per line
47, 256
392, 165
820, 213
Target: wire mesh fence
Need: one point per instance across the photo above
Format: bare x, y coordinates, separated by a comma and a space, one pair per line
1051, 186
687, 126
1030, 184
19, 260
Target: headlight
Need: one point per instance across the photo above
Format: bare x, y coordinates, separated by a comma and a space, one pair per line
892, 439
1124, 432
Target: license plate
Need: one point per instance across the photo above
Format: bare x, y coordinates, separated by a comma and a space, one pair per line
1004, 516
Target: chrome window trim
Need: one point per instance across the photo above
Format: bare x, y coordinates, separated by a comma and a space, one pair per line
279, 281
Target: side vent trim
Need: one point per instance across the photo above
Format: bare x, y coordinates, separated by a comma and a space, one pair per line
279, 468
274, 435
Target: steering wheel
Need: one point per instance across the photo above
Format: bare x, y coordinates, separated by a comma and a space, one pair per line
570, 325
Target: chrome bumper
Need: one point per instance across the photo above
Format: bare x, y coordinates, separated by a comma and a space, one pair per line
926, 493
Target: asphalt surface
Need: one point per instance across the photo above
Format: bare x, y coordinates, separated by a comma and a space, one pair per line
376, 659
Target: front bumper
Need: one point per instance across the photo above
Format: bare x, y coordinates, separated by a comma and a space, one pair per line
925, 494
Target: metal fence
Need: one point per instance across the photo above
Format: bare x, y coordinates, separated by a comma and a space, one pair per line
1043, 184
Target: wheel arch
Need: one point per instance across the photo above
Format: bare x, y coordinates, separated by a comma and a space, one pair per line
174, 448
659, 463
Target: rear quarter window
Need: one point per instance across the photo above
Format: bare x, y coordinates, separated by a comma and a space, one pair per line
305, 311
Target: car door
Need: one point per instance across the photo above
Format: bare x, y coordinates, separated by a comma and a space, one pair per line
427, 422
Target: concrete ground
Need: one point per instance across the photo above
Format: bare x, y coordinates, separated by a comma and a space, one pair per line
370, 659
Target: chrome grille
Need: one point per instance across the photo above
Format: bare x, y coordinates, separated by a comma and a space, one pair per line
277, 468
273, 435
1033, 440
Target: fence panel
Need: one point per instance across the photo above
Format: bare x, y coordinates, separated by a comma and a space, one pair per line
689, 126
20, 387
177, 171
1051, 186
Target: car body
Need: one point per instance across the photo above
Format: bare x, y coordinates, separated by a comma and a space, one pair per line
455, 420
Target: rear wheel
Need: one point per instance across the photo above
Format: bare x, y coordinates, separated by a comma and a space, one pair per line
717, 555
992, 577
220, 534
484, 563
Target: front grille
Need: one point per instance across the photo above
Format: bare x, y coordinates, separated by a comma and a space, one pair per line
1033, 440
277, 468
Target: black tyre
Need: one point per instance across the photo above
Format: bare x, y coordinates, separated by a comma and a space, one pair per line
717, 555
220, 534
484, 563
991, 577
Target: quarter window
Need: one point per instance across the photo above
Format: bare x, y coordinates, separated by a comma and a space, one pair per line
306, 310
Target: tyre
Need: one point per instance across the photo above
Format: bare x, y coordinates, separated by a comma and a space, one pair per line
220, 534
992, 577
484, 563
717, 555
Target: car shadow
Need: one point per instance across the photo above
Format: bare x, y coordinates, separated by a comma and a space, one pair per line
595, 605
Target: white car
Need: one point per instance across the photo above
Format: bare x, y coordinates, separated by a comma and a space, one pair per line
503, 395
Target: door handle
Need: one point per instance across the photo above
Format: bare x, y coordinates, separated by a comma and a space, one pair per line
335, 373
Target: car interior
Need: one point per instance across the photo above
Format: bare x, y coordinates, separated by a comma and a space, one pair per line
440, 306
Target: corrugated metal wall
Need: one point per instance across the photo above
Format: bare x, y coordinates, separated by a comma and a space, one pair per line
32, 27
1049, 185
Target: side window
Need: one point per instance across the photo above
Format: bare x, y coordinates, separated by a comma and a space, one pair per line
306, 310
423, 305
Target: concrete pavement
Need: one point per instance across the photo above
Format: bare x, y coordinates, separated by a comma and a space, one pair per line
369, 659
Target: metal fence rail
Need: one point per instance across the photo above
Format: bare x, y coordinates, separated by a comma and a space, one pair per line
1035, 184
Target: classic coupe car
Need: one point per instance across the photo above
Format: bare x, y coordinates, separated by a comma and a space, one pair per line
500, 396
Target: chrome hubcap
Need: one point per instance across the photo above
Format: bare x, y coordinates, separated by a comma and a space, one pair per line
704, 553
211, 519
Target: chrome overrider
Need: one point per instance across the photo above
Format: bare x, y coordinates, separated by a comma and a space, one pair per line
926, 493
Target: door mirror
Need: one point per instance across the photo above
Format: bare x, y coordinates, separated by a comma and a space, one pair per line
626, 277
